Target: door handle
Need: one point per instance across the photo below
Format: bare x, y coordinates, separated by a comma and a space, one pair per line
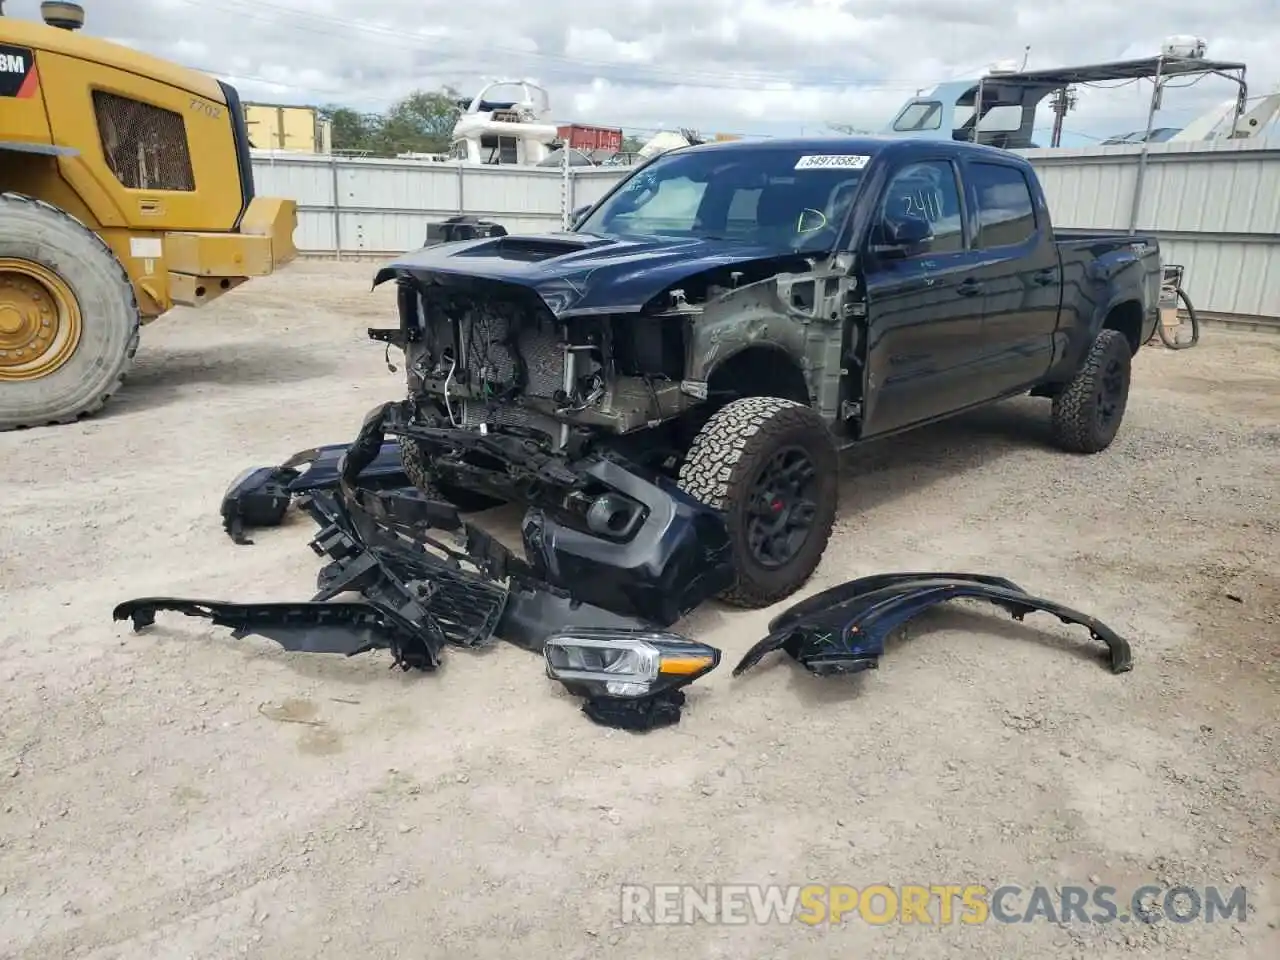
1045, 277
969, 288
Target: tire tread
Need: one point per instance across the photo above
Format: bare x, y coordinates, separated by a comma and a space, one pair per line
1074, 425
711, 470
124, 362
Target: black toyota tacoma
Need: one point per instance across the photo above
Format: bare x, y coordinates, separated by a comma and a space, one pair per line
731, 315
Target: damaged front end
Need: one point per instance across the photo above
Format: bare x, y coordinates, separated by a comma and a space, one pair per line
618, 535
518, 362
612, 550
552, 345
843, 629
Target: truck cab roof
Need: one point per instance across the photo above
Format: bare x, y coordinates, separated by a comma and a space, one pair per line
889, 148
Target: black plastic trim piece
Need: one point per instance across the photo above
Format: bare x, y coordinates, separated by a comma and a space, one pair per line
244, 160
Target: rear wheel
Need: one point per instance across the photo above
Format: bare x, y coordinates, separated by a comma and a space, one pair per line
1087, 414
417, 468
68, 316
771, 466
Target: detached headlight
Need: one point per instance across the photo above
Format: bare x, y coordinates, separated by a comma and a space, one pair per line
631, 679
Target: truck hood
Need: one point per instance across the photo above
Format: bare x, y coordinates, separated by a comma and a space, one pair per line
578, 274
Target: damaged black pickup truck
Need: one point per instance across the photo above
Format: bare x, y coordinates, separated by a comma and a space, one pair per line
732, 315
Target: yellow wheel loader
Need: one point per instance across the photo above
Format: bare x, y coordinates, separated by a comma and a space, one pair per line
125, 188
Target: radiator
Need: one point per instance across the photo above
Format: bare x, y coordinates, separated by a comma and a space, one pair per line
543, 355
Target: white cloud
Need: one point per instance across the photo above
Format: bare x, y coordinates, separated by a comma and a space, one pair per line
596, 44
717, 65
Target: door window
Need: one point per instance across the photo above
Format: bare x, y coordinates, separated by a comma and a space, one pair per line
670, 206
927, 191
918, 116
1006, 213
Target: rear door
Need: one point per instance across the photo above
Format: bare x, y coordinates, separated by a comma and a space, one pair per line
1020, 275
924, 310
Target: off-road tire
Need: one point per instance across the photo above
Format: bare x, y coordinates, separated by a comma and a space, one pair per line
722, 464
1075, 417
33, 230
417, 468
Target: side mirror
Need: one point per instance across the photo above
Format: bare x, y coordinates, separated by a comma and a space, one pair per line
899, 236
578, 213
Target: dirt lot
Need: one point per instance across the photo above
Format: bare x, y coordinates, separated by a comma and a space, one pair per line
157, 802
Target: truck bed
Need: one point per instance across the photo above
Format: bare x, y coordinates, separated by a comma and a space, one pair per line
1079, 236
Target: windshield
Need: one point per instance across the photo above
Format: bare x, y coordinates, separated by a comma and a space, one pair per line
785, 198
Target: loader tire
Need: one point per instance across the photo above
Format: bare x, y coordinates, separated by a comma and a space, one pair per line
69, 318
1088, 412
771, 466
417, 468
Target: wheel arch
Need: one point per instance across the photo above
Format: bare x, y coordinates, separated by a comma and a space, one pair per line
1126, 317
719, 471
760, 369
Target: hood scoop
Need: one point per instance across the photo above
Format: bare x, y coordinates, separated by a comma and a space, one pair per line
536, 247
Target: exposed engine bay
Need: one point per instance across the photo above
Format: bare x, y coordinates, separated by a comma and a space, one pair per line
502, 359
485, 354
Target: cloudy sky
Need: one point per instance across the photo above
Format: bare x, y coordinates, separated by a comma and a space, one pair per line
742, 66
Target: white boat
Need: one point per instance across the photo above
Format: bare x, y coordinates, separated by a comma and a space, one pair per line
493, 130
1009, 97
1216, 123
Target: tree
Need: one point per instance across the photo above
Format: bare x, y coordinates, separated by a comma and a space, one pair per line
421, 122
349, 129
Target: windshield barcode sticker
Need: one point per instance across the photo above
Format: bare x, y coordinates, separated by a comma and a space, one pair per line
844, 161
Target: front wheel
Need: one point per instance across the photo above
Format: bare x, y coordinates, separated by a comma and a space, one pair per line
417, 468
1088, 412
771, 466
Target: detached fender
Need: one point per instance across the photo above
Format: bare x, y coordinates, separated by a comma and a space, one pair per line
853, 589
846, 633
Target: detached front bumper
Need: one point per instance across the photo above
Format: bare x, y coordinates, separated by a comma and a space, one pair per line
607, 531
607, 547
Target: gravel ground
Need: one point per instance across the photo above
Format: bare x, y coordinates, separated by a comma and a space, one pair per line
180, 794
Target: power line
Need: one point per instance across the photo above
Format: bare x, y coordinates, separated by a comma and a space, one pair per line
626, 130
280, 83
635, 132
728, 80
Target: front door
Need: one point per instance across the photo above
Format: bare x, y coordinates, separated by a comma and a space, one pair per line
924, 312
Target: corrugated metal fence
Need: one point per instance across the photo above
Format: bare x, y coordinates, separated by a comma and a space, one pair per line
1215, 207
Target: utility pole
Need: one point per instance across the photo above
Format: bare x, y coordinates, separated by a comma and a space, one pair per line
1063, 101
